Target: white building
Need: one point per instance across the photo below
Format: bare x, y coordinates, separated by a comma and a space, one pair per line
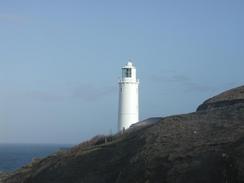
128, 97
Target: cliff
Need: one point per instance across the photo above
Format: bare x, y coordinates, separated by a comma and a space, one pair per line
206, 146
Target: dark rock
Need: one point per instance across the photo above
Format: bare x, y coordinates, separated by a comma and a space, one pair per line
206, 146
231, 97
3, 176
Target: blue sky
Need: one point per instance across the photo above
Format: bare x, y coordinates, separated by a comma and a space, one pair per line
60, 62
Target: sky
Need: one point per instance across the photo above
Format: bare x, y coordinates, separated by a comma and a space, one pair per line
60, 62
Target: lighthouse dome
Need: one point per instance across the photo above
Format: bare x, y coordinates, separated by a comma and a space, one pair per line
129, 64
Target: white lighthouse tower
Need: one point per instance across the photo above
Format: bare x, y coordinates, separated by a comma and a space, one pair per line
128, 97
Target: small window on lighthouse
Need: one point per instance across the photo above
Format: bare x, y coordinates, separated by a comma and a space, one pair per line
128, 73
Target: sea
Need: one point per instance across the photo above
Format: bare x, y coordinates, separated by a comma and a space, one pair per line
14, 156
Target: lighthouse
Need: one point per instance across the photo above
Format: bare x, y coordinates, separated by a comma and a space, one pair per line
128, 97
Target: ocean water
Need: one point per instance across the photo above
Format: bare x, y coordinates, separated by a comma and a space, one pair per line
13, 156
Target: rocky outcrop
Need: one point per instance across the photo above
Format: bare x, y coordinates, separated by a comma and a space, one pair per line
206, 146
3, 176
231, 97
